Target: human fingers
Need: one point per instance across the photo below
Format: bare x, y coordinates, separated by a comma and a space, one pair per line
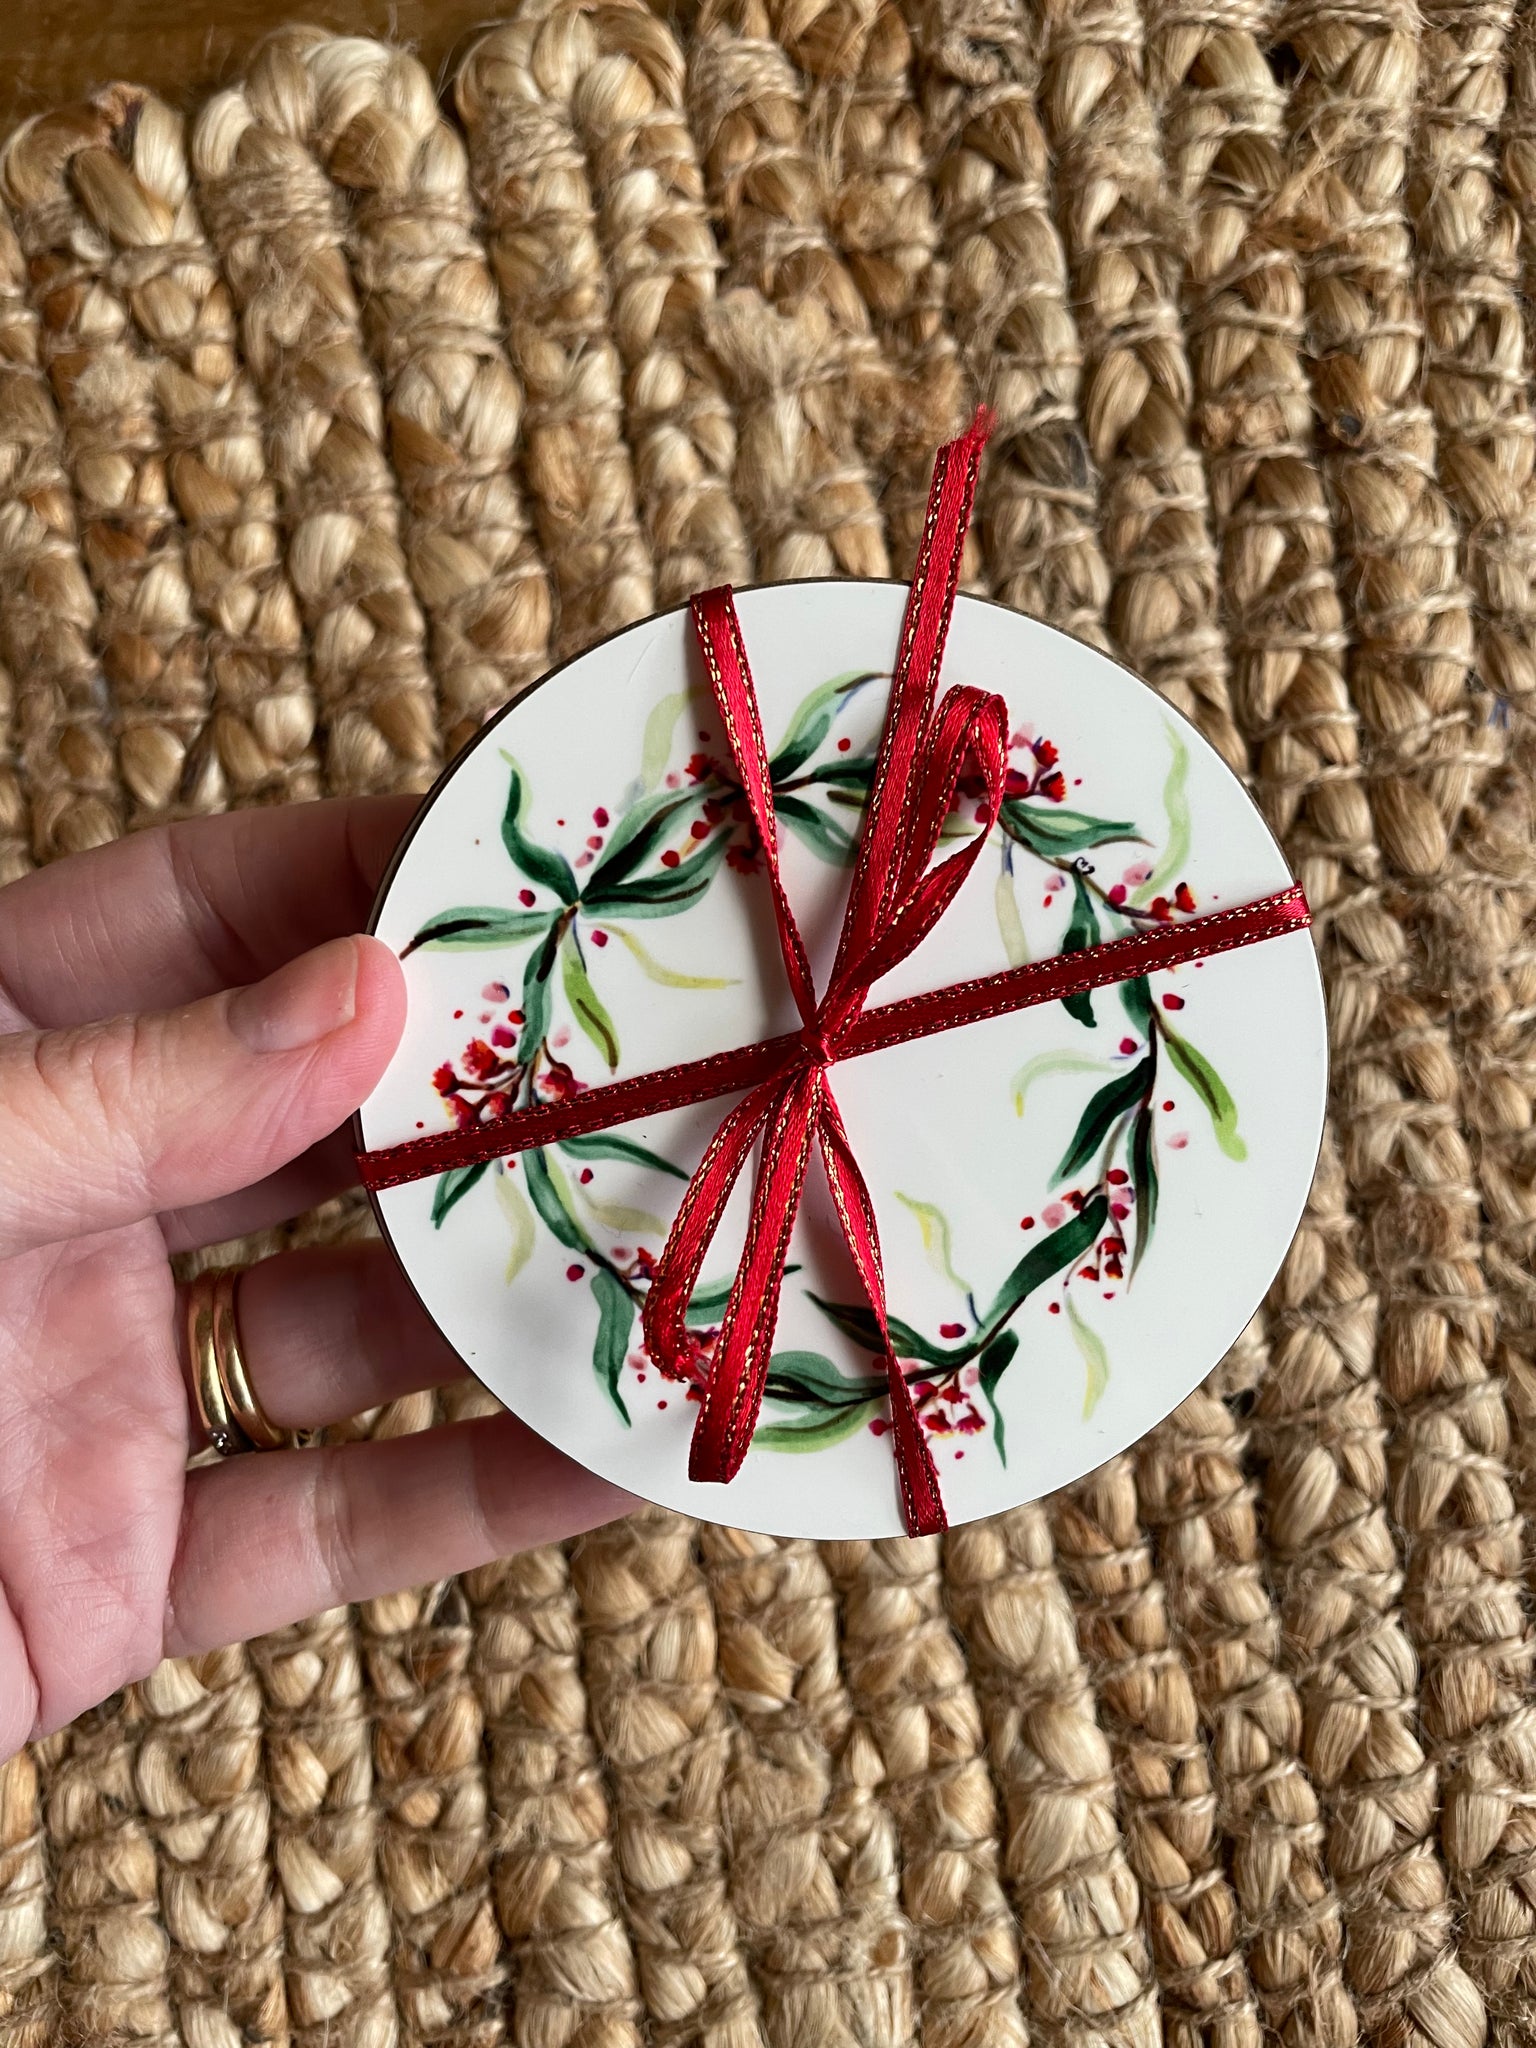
270, 1538
176, 913
331, 1330
327, 1168
112, 1122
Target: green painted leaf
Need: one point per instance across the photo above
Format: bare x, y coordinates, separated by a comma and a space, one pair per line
857, 1320
1010, 925
1211, 1089
477, 924
847, 771
1095, 1358
994, 1362
709, 1299
823, 835
1143, 1180
604, 1145
656, 743
1045, 1063
1051, 832
615, 1320
812, 1379
514, 1206
636, 836
1043, 1261
664, 893
812, 721
1136, 997
539, 863
587, 1004
1113, 1101
1082, 932
536, 996
453, 1186
817, 1432
550, 1193
1176, 809
667, 977
937, 1241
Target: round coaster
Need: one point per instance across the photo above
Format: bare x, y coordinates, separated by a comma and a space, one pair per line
1080, 1204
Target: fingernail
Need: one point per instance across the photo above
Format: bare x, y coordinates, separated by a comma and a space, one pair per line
301, 1004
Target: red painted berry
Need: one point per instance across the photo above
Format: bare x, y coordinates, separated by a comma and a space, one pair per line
1167, 1105
843, 746
1171, 1002
670, 859
699, 829
502, 1036
1055, 1308
1128, 1044
1026, 1223
525, 896
1117, 1176
951, 1330
1182, 897
514, 1016
574, 1272
599, 938
599, 816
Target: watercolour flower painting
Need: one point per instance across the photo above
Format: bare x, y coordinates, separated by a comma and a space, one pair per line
655, 857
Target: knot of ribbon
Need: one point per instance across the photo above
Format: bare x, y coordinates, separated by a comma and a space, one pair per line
788, 1110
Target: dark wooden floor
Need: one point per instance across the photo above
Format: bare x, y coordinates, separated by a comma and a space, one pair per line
55, 50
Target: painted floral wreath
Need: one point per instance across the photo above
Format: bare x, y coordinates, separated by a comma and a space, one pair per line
657, 855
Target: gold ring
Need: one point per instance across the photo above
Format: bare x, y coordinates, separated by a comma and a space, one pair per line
251, 1418
221, 1382
224, 1432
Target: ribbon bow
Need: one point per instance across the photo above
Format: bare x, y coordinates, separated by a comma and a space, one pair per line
789, 1110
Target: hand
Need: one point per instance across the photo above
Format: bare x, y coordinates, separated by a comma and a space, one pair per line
185, 1023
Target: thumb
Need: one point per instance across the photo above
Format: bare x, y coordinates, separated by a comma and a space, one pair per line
116, 1121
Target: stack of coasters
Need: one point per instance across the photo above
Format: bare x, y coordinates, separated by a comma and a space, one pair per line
1080, 1203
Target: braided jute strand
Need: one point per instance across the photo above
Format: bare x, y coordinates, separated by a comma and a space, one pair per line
48, 617
866, 131
1006, 303
409, 389
452, 403
279, 229
610, 79
530, 175
104, 381
815, 1885
114, 183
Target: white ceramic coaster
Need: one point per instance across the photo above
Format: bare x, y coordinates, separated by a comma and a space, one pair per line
1081, 1205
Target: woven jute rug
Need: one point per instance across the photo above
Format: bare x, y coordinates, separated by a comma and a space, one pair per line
329, 417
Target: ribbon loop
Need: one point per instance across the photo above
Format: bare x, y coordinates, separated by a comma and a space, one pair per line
787, 1109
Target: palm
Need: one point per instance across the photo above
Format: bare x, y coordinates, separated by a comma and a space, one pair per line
125, 1137
93, 1452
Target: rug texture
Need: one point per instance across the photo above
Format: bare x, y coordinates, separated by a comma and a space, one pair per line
329, 417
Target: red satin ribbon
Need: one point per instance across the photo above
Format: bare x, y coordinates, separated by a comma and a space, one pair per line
788, 1109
